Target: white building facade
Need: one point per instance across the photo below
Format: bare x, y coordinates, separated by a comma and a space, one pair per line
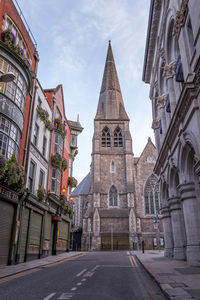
172, 68
39, 148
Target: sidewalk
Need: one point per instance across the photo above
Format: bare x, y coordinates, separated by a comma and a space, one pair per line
176, 279
6, 271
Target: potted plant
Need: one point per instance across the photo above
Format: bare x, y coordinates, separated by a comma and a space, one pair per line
40, 193
56, 160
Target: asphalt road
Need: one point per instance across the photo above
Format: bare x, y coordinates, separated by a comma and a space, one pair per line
93, 276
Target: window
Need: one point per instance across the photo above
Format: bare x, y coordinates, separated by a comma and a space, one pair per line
105, 142
58, 143
35, 134
41, 178
112, 167
58, 114
55, 181
113, 196
151, 196
44, 145
118, 141
39, 102
16, 90
190, 35
19, 40
9, 138
31, 176
73, 140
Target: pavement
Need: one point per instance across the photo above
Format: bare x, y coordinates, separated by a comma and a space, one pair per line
6, 271
175, 278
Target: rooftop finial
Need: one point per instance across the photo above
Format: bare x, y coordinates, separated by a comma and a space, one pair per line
78, 118
109, 42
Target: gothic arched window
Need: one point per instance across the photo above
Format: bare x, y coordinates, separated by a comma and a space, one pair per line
105, 141
151, 196
118, 140
113, 196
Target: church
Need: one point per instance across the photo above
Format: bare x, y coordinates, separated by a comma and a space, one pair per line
117, 204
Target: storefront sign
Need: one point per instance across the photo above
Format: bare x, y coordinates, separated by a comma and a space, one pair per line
9, 194
57, 218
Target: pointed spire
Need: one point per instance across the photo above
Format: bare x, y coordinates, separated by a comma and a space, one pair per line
111, 105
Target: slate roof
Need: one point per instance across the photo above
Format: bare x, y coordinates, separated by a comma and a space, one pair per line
111, 105
84, 186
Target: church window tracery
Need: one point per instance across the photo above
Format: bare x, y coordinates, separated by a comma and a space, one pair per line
113, 196
118, 140
106, 140
151, 196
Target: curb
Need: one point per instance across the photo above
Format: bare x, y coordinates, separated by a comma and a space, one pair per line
166, 288
40, 266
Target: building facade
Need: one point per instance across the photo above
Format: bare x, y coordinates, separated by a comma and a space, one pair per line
35, 215
107, 201
171, 67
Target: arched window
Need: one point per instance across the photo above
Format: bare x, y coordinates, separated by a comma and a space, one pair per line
105, 142
118, 140
151, 196
112, 167
113, 196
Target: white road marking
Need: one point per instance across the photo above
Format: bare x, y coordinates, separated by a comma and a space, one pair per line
50, 296
65, 296
74, 288
83, 271
94, 269
79, 283
84, 279
88, 274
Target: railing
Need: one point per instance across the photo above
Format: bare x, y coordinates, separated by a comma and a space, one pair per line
25, 23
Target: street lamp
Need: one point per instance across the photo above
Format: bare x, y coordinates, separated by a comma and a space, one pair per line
7, 77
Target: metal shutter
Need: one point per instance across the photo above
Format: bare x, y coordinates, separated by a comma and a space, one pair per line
35, 232
23, 239
6, 222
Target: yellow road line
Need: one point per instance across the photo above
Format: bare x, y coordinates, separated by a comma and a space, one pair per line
134, 261
131, 261
23, 273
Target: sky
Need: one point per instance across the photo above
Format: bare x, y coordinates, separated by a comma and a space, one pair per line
72, 41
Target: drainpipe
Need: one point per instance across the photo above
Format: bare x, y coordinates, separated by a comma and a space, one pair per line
30, 116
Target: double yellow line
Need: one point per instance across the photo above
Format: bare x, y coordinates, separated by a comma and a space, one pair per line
133, 261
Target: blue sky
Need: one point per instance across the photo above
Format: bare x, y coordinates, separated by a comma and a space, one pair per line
72, 38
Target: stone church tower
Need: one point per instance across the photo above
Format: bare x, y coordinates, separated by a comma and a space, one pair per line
112, 211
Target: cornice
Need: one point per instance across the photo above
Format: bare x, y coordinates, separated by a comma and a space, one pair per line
152, 31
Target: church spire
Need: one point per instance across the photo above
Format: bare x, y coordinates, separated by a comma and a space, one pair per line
111, 105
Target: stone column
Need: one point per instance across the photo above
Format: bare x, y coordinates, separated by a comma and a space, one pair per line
190, 212
167, 228
177, 228
168, 73
155, 126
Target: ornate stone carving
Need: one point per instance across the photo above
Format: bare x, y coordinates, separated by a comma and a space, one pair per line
156, 124
161, 101
163, 55
169, 70
180, 18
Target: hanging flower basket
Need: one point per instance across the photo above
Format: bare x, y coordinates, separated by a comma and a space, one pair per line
60, 127
64, 164
43, 115
72, 182
12, 175
56, 160
66, 206
8, 36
